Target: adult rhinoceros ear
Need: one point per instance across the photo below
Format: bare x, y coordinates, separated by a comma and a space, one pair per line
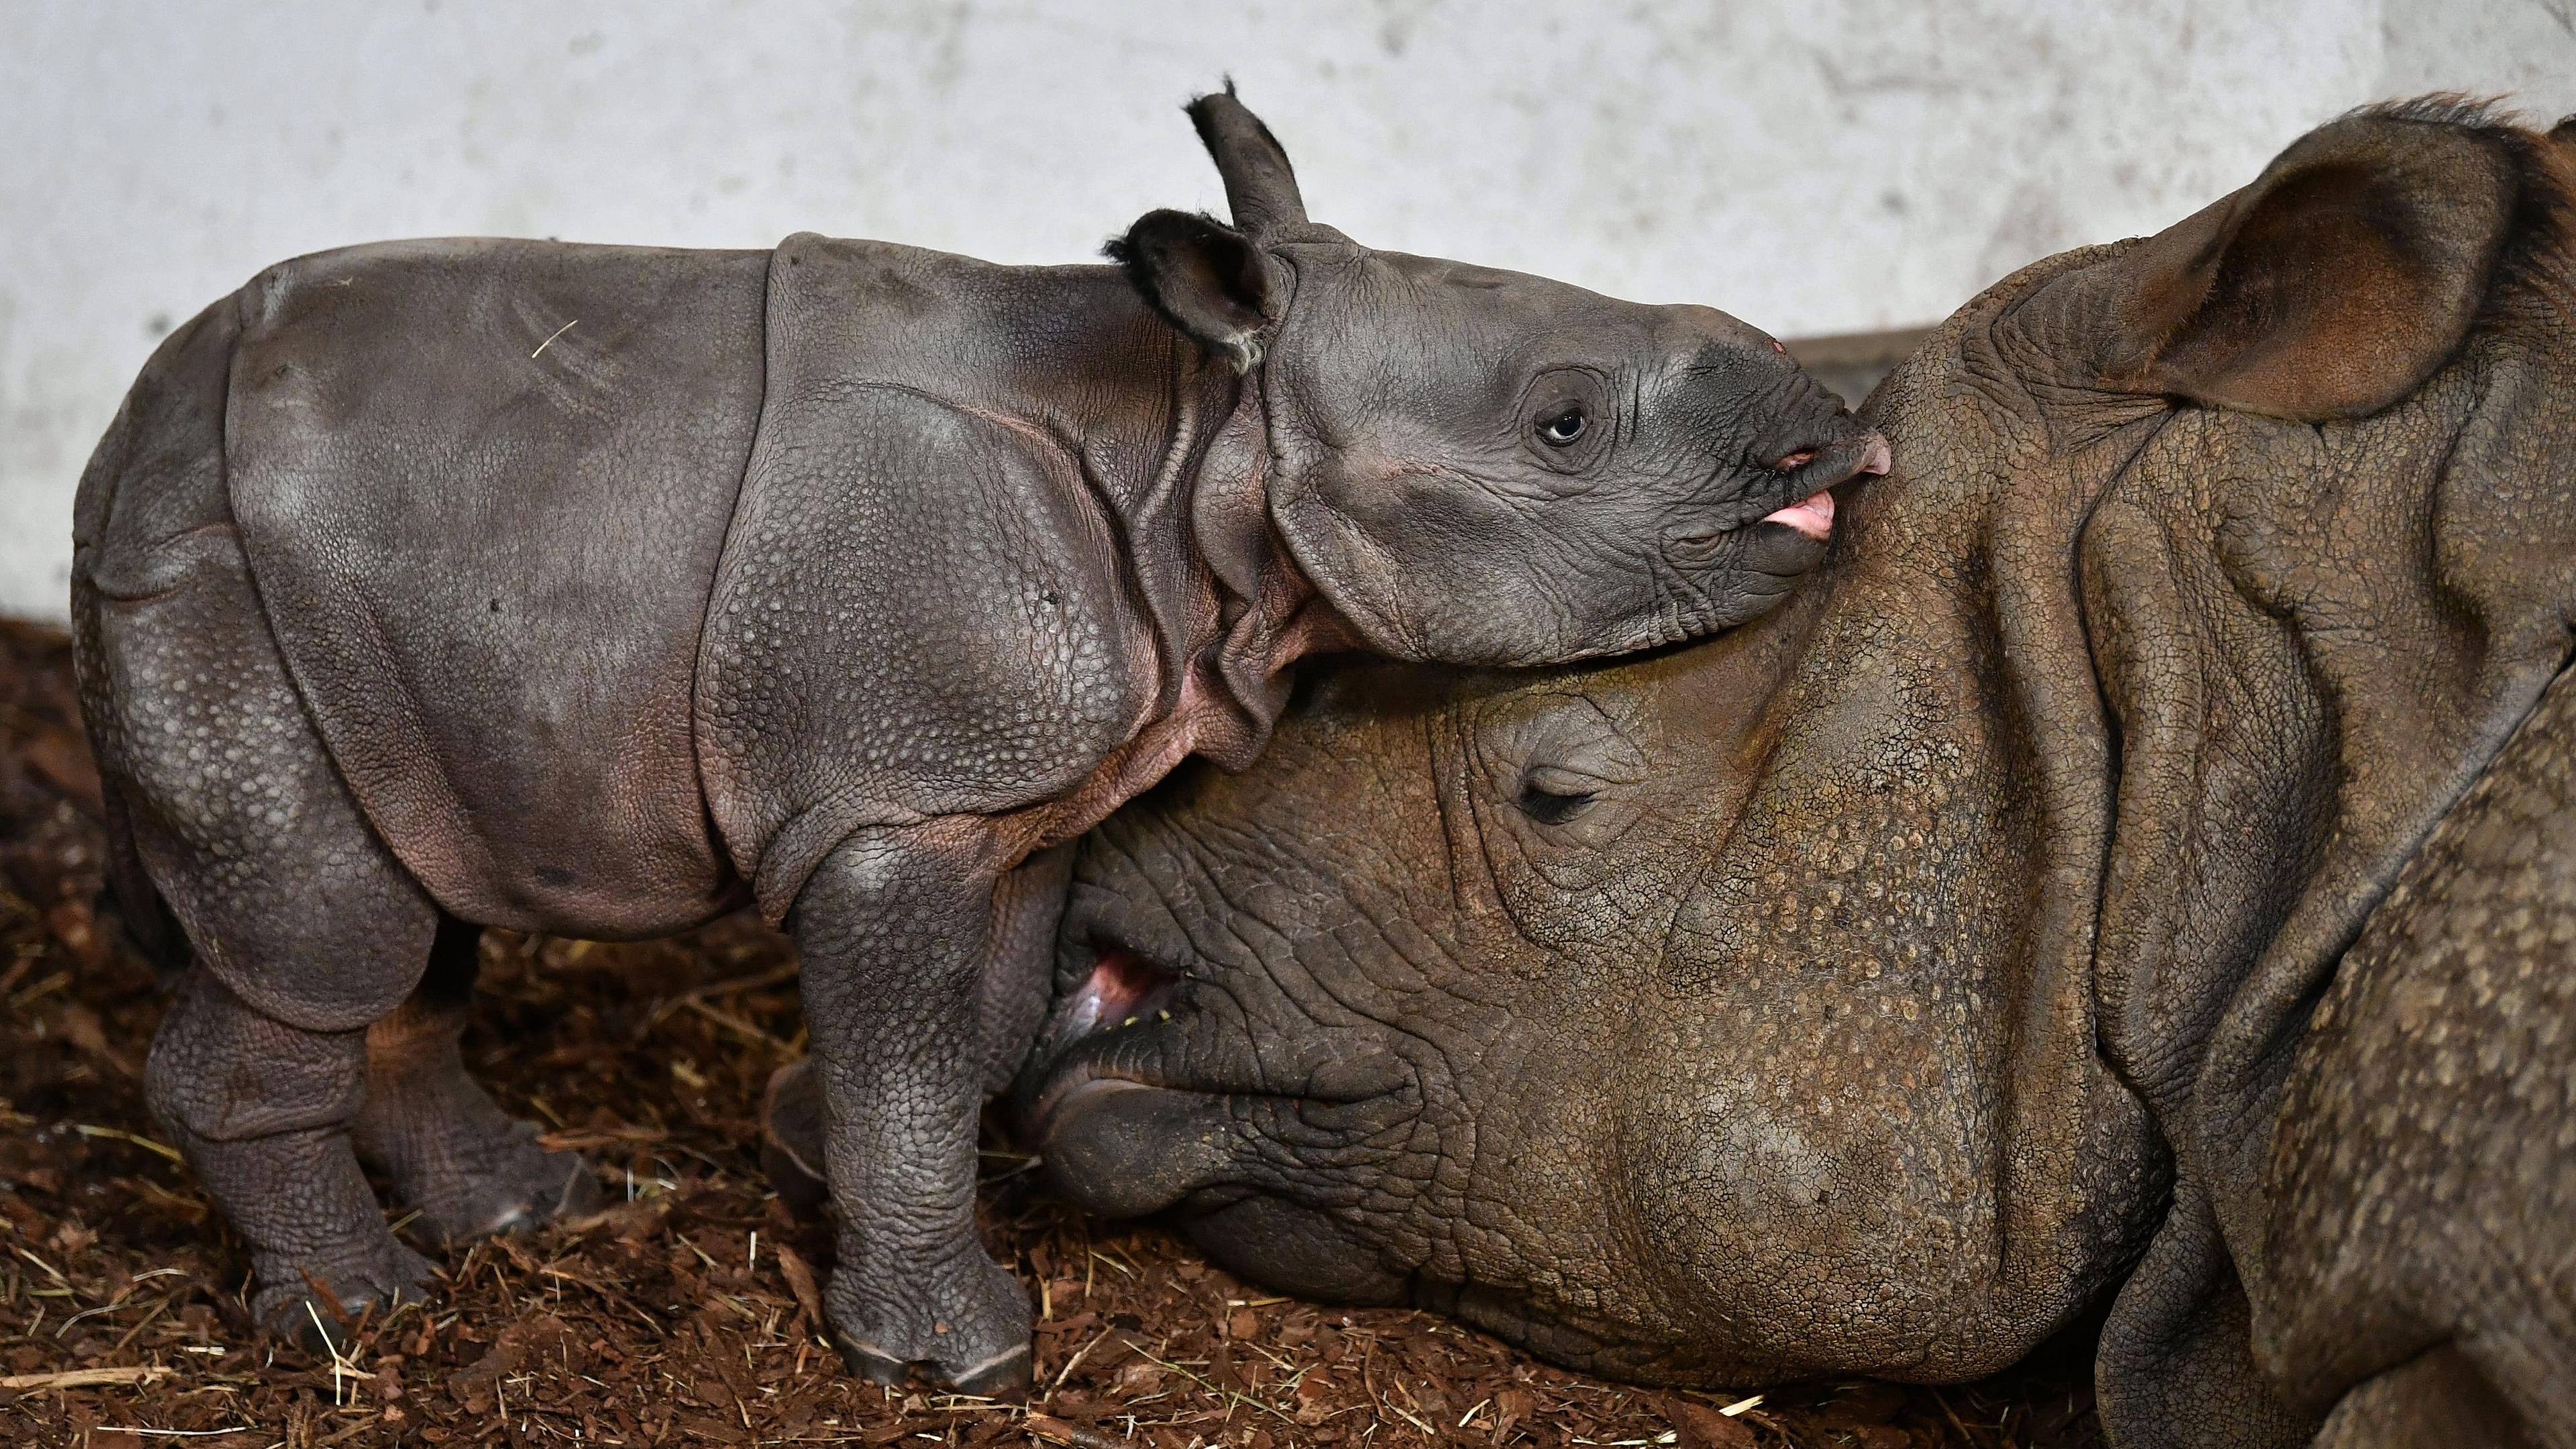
2335, 284
1204, 278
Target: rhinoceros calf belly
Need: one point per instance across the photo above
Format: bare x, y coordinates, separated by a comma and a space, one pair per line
483, 486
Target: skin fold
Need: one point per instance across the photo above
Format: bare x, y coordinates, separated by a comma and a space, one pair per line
2137, 865
431, 586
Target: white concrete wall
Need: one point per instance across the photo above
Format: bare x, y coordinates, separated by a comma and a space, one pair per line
1812, 165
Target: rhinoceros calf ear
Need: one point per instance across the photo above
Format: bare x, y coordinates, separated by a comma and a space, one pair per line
2334, 285
1204, 278
1260, 185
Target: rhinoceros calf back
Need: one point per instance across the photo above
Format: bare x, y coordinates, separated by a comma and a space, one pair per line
482, 486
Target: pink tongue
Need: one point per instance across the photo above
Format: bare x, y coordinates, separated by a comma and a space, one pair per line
1814, 517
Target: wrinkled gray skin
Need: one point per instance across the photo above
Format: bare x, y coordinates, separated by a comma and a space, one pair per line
2141, 862
432, 586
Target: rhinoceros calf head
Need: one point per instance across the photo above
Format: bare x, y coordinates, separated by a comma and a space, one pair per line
1482, 467
1864, 990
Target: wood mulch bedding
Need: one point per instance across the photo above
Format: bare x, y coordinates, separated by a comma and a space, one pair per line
685, 1314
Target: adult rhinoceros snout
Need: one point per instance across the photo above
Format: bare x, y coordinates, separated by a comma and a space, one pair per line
1104, 989
1109, 1144
1148, 1093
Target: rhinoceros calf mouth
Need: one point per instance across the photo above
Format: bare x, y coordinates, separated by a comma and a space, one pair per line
1785, 530
1812, 516
1816, 472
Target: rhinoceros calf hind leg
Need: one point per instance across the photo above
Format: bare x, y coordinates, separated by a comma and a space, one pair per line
301, 925
261, 1110
450, 1152
894, 930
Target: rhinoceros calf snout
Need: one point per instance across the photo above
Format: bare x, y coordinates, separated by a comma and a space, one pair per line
1827, 469
1808, 476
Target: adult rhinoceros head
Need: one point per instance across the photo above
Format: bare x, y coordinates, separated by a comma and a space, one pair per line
1482, 467
1868, 989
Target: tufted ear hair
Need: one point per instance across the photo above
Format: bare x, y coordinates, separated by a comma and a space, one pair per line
1205, 278
2330, 288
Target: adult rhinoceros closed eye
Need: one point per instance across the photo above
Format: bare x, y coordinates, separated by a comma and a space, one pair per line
439, 585
2141, 863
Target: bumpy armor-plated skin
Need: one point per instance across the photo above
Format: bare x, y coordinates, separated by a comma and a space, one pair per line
432, 586
926, 607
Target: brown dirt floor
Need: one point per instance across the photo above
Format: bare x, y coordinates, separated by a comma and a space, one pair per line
684, 1315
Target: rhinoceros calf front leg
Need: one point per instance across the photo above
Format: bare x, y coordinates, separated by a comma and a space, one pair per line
1028, 902
894, 929
447, 1149
261, 1110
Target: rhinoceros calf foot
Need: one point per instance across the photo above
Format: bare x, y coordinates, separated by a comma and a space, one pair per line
261, 1109
469, 1178
466, 1167
965, 1324
319, 1305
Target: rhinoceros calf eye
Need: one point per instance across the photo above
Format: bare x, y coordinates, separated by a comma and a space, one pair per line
1562, 428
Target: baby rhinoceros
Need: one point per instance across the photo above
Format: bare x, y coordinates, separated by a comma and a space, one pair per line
431, 586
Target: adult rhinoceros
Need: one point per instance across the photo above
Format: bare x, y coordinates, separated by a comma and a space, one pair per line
2141, 863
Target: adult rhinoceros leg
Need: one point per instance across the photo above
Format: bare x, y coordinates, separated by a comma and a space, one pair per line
447, 1149
895, 928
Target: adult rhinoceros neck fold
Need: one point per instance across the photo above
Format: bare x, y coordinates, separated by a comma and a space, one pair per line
1917, 866
2307, 676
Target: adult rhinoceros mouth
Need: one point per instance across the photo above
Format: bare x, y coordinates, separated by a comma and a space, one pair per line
1116, 1138
1123, 990
1139, 1098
